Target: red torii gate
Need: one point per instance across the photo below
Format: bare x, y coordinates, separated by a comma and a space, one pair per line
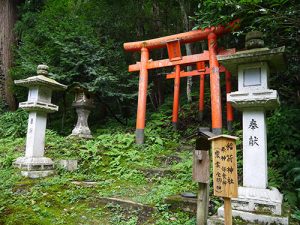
172, 43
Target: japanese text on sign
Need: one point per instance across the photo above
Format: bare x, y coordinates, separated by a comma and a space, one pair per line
224, 167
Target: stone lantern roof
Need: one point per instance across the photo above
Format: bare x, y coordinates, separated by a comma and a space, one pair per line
274, 58
40, 91
41, 80
256, 52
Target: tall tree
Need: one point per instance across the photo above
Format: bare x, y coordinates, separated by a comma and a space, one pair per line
7, 21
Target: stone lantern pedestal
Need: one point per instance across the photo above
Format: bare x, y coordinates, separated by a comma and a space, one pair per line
255, 202
83, 104
34, 164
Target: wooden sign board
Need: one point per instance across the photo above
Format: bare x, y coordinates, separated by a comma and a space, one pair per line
201, 166
174, 50
224, 166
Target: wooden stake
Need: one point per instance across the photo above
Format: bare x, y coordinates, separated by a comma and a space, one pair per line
202, 203
227, 211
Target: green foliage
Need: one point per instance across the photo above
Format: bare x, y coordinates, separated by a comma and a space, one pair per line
81, 41
277, 19
283, 154
174, 218
113, 160
13, 124
293, 196
61, 35
254, 14
283, 136
10, 149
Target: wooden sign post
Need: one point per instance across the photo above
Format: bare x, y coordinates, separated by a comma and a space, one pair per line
201, 173
225, 171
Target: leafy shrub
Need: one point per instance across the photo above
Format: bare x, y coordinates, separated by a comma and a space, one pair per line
283, 138
13, 124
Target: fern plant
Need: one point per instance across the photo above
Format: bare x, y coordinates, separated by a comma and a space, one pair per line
13, 124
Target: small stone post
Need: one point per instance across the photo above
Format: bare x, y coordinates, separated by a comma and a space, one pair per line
83, 103
254, 98
38, 104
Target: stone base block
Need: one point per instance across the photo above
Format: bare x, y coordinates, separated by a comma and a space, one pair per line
258, 200
86, 136
256, 218
34, 163
37, 174
68, 164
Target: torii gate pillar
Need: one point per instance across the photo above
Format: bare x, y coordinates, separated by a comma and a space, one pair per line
215, 91
142, 97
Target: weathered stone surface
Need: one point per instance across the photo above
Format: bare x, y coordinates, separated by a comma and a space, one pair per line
258, 200
43, 68
82, 129
253, 76
68, 164
274, 58
264, 99
34, 164
42, 81
37, 174
185, 204
83, 104
253, 35
38, 107
255, 43
255, 168
256, 218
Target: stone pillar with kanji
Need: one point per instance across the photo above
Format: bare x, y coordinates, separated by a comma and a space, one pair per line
34, 164
254, 98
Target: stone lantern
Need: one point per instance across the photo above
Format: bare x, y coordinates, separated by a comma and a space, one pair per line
254, 98
83, 104
38, 104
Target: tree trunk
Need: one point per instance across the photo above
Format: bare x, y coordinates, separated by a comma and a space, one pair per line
189, 81
7, 21
157, 30
185, 8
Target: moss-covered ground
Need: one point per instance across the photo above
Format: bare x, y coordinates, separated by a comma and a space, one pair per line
116, 167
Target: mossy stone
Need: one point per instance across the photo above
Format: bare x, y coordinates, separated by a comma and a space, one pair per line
253, 35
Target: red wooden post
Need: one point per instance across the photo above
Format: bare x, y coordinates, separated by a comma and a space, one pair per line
176, 96
215, 91
142, 97
228, 105
201, 66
